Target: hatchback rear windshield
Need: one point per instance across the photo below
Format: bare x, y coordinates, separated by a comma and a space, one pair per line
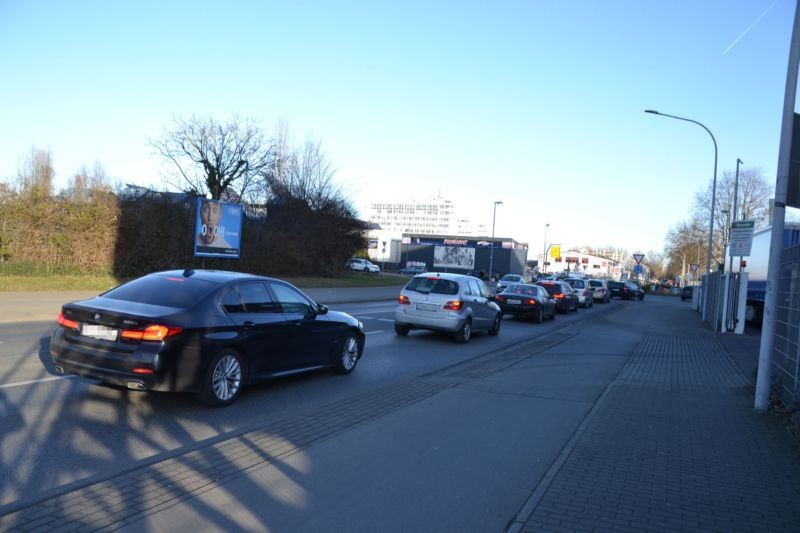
522, 289
576, 283
595, 283
552, 288
511, 277
432, 285
164, 290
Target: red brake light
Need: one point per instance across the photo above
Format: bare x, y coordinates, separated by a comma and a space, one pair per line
558, 296
404, 300
153, 332
530, 302
455, 305
499, 298
65, 322
142, 370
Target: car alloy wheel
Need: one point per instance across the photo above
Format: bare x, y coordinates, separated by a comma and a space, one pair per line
227, 377
463, 334
348, 356
224, 380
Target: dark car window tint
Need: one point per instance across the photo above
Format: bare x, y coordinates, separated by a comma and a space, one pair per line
168, 291
231, 301
291, 301
256, 298
552, 289
433, 285
595, 283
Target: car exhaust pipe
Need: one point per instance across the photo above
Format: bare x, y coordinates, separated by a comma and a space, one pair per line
135, 385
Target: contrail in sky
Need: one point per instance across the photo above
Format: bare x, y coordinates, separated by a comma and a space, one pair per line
750, 27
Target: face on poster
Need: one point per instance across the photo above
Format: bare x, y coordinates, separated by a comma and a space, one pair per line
218, 229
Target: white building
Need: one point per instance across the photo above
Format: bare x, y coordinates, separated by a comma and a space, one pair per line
432, 216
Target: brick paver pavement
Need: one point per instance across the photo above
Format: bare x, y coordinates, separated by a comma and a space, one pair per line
674, 445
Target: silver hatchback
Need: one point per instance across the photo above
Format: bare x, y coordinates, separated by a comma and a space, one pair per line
454, 303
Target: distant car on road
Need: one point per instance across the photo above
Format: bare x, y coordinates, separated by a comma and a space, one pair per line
620, 289
508, 279
455, 303
583, 290
525, 300
413, 269
686, 292
600, 291
566, 298
202, 331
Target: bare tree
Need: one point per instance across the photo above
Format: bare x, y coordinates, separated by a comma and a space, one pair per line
752, 204
36, 174
216, 157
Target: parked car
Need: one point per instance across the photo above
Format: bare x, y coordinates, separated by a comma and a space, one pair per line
583, 290
413, 269
566, 298
600, 291
686, 292
508, 279
202, 331
362, 265
525, 300
454, 303
620, 289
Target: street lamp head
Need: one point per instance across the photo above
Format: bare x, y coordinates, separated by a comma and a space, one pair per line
498, 202
653, 111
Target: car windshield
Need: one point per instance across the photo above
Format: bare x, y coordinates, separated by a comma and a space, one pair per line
164, 290
511, 277
595, 283
433, 285
552, 288
577, 283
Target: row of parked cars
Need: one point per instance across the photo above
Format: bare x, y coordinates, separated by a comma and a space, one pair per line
461, 304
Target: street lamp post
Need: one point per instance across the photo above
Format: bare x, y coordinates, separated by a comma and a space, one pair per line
735, 198
491, 251
544, 249
713, 196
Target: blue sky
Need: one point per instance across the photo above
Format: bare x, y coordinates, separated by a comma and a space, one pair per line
537, 104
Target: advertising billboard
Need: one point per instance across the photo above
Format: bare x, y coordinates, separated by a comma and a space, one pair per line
453, 257
218, 229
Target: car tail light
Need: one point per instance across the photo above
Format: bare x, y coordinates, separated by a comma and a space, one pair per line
625, 289
404, 300
455, 305
66, 322
499, 298
530, 302
142, 370
153, 332
559, 296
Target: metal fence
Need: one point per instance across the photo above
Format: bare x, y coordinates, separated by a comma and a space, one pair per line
786, 351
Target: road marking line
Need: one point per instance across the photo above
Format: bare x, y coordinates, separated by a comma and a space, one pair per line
376, 331
386, 319
34, 381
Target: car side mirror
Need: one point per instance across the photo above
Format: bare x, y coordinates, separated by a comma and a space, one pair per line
322, 309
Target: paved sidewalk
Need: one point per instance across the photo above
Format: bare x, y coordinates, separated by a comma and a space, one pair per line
675, 445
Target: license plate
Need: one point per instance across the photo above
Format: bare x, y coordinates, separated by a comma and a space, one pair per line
515, 302
99, 332
427, 307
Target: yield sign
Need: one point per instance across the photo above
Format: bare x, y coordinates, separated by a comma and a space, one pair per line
638, 258
694, 266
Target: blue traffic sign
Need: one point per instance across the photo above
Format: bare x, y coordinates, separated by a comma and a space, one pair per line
638, 269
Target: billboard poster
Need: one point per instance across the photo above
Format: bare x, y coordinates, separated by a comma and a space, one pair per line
453, 257
218, 229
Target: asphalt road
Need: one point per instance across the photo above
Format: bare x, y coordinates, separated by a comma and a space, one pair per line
59, 433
